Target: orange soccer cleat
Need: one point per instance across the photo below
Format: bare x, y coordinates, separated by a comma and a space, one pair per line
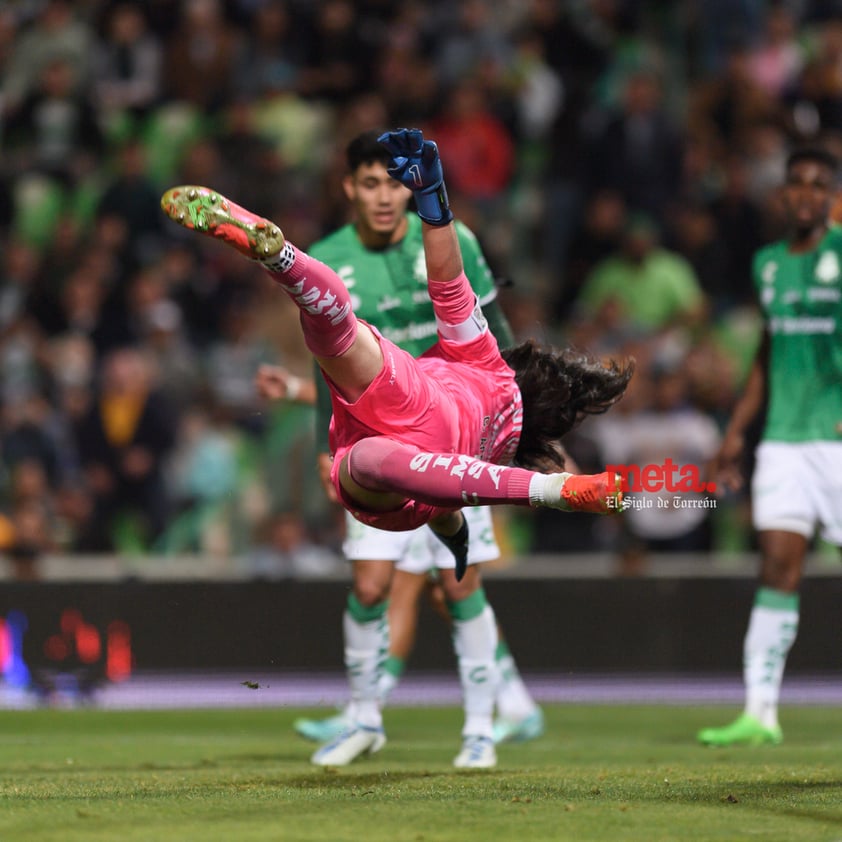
597, 493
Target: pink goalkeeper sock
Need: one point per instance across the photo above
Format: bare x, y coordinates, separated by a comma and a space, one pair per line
328, 322
440, 479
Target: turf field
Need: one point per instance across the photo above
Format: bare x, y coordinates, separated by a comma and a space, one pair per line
602, 772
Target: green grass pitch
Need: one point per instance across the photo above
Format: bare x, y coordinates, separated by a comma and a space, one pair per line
602, 772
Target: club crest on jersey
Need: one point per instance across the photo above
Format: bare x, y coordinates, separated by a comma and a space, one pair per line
419, 269
769, 273
827, 269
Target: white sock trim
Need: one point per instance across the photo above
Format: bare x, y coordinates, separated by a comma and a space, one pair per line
282, 261
545, 489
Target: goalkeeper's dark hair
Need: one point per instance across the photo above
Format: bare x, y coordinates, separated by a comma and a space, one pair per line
365, 149
559, 388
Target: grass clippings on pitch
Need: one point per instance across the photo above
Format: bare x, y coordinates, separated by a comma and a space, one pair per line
601, 773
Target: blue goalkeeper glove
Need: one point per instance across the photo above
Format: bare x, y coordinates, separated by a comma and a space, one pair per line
416, 165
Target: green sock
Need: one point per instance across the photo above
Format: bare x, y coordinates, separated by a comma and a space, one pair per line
513, 698
502, 650
395, 666
468, 608
366, 615
390, 675
475, 641
772, 628
366, 632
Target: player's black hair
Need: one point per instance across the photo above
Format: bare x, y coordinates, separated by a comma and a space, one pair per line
559, 388
816, 154
365, 149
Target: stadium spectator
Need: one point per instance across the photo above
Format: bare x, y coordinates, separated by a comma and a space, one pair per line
57, 33
777, 57
284, 549
407, 81
54, 130
337, 64
123, 441
739, 225
653, 287
766, 145
694, 235
598, 236
726, 104
175, 358
127, 205
474, 43
78, 305
18, 269
231, 361
639, 149
194, 288
478, 142
666, 430
814, 103
274, 52
796, 375
69, 369
32, 515
202, 55
202, 475
127, 66
8, 32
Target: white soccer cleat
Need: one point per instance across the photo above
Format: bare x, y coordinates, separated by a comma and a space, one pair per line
477, 753
349, 745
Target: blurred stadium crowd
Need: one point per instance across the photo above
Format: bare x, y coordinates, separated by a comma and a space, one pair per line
618, 160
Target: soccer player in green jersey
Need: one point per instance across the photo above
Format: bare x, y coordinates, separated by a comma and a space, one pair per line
797, 375
380, 257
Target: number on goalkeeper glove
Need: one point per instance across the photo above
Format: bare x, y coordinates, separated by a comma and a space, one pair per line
416, 165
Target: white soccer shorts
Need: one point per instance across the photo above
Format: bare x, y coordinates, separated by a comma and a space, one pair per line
419, 551
797, 487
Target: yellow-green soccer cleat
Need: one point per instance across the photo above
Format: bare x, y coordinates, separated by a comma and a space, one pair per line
208, 212
745, 730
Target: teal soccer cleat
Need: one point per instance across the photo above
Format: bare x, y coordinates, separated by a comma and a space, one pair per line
519, 730
321, 730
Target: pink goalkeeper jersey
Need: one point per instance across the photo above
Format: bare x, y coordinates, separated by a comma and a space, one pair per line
458, 397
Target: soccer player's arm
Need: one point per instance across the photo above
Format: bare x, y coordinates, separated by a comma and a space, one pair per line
482, 282
753, 398
746, 410
275, 383
324, 410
